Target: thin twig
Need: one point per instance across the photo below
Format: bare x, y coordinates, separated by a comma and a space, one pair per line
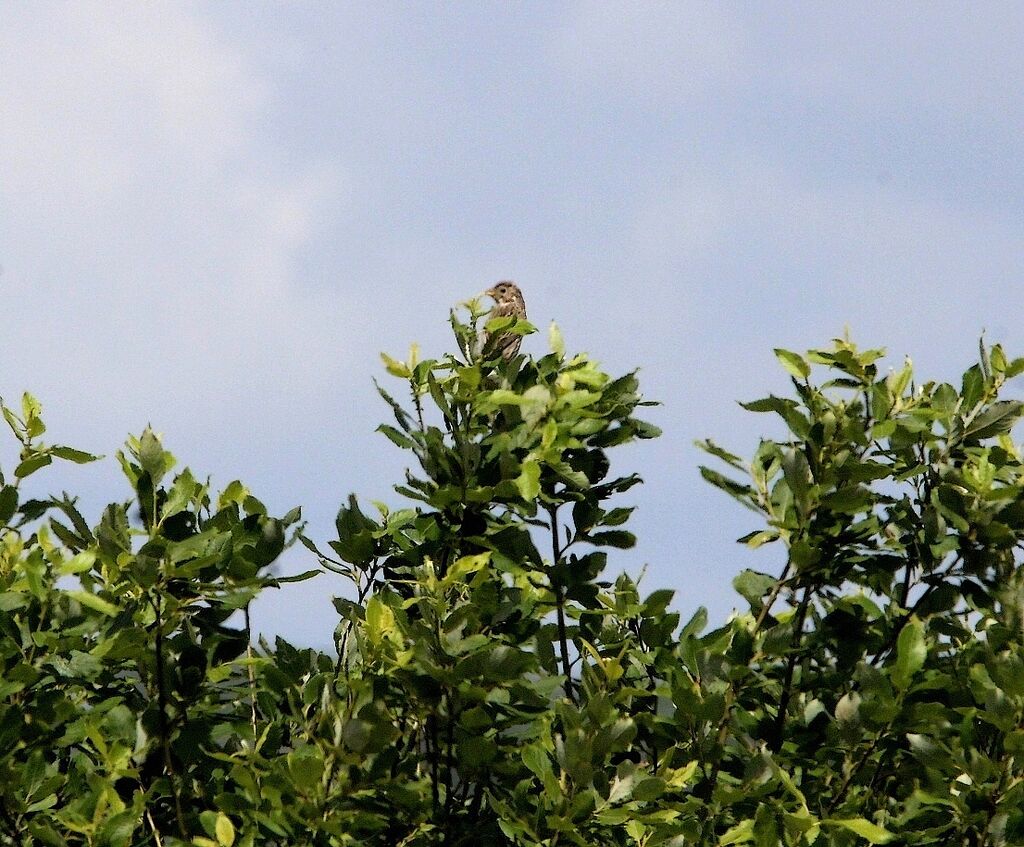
433, 754
779, 583
563, 640
449, 800
165, 735
787, 682
419, 406
152, 825
905, 619
12, 823
252, 674
848, 779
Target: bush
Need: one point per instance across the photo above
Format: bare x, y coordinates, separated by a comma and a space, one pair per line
486, 692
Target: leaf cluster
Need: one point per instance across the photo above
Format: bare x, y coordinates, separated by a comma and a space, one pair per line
491, 683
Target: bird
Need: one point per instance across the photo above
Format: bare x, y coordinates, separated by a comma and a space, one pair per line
508, 303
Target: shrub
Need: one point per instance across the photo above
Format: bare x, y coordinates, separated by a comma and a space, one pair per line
490, 685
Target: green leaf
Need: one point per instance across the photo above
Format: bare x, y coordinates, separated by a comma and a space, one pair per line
117, 830
477, 750
645, 430
911, 652
788, 410
757, 539
70, 454
46, 803
649, 789
972, 387
380, 620
395, 368
439, 397
225, 830
619, 538
355, 543
873, 833
539, 763
997, 358
752, 586
709, 446
233, 493
93, 602
30, 412
1015, 368
794, 363
10, 600
738, 490
78, 563
8, 503
299, 577
849, 500
798, 475
555, 340
509, 324
528, 481
152, 456
397, 438
741, 833
995, 419
504, 397
13, 421
33, 463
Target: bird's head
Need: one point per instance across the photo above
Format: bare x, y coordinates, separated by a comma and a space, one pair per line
505, 292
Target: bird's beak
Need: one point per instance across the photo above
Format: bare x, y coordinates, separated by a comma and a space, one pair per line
490, 292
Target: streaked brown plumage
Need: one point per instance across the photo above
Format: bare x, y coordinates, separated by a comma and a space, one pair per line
508, 302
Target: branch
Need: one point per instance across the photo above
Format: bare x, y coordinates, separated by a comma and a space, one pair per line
787, 683
165, 739
449, 781
903, 620
563, 640
848, 779
252, 673
779, 583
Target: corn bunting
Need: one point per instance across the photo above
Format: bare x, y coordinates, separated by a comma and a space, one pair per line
508, 303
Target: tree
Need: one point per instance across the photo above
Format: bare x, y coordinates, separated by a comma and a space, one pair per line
490, 684
892, 676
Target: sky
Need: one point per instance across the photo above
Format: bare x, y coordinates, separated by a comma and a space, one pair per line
214, 216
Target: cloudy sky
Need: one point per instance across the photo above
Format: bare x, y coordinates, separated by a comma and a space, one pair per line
214, 216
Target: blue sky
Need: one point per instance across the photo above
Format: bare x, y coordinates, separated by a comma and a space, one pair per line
214, 216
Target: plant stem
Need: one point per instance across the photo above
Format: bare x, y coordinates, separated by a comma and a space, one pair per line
434, 754
787, 682
449, 767
165, 735
779, 583
252, 674
563, 641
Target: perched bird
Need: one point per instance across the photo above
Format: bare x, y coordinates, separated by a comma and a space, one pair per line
508, 303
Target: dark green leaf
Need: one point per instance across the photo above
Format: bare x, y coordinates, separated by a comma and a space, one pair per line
33, 463
79, 457
752, 586
8, 503
995, 420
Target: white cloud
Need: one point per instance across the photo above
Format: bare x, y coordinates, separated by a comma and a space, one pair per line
650, 52
152, 227
757, 250
935, 59
91, 91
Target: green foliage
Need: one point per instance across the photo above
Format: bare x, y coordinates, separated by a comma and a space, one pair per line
880, 672
125, 691
491, 684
